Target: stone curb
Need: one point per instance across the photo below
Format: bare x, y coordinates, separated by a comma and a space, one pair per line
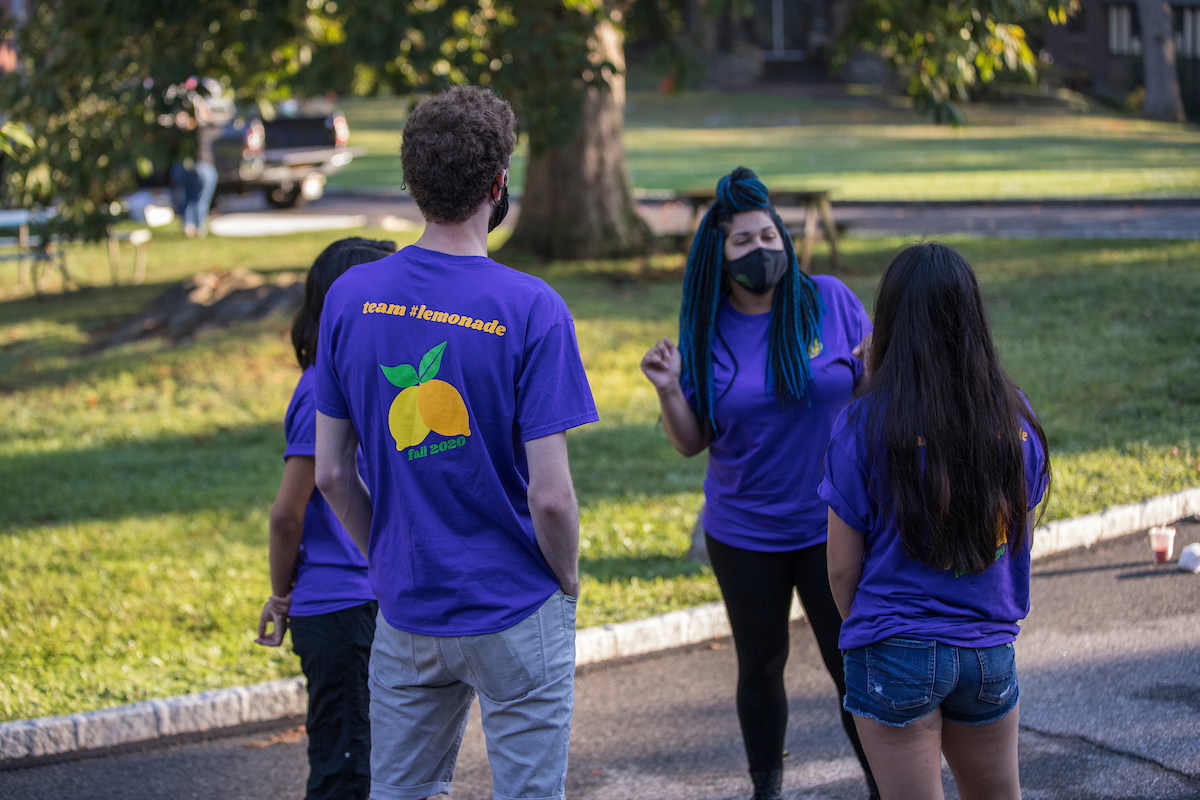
153, 719
239, 705
662, 632
1066, 534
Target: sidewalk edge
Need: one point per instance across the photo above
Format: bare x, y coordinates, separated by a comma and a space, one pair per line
239, 705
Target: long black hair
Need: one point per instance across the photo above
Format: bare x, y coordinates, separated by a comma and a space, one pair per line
796, 311
935, 380
333, 261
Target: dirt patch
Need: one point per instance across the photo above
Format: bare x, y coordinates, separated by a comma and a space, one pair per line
209, 301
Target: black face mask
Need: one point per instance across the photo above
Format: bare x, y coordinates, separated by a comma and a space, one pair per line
500, 210
759, 270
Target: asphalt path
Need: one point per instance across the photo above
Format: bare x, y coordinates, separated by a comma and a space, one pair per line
249, 215
1109, 665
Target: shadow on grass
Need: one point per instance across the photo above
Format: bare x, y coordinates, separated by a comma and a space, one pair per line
89, 308
237, 469
884, 155
39, 363
630, 461
234, 470
93, 307
622, 568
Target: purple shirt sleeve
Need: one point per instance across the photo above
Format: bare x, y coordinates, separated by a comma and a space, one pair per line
1035, 480
330, 399
844, 487
553, 394
300, 425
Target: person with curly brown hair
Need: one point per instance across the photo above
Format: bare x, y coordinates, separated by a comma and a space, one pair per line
459, 377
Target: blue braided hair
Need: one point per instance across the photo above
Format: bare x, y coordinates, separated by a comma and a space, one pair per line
796, 311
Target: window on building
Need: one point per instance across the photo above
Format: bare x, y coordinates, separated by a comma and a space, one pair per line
1187, 32
1124, 30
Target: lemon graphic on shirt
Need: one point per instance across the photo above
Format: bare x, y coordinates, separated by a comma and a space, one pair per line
405, 423
442, 409
425, 403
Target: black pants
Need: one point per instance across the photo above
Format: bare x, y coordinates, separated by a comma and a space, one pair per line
757, 588
334, 651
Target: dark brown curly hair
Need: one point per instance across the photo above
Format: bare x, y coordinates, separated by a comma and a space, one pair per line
454, 146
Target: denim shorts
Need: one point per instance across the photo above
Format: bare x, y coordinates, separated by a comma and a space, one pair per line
421, 693
899, 680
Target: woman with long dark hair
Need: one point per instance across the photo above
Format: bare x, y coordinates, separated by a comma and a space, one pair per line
319, 581
932, 477
765, 364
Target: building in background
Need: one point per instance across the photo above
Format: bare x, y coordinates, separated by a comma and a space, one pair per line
793, 35
1099, 51
754, 40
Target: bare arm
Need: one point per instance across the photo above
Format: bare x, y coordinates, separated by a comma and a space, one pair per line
662, 365
554, 509
286, 531
845, 556
287, 521
338, 479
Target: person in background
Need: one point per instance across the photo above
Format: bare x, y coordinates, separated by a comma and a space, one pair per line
765, 363
319, 579
932, 477
460, 377
195, 180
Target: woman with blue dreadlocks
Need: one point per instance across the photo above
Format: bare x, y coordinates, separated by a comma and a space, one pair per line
766, 361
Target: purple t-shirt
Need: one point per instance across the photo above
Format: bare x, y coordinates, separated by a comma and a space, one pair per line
898, 596
446, 365
331, 574
764, 465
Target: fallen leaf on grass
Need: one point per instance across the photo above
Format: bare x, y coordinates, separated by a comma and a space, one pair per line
287, 737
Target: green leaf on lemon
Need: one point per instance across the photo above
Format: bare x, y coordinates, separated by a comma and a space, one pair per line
431, 362
402, 376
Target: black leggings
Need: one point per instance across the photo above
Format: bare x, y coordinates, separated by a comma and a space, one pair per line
757, 588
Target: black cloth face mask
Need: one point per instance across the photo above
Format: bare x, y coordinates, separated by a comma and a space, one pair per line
759, 270
500, 210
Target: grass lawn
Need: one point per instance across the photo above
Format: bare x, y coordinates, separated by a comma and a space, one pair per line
861, 148
138, 480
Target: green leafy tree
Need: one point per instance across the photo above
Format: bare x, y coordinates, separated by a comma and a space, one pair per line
578, 200
942, 49
102, 91
107, 92
561, 65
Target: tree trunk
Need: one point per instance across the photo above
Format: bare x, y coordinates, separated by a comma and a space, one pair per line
578, 200
1163, 99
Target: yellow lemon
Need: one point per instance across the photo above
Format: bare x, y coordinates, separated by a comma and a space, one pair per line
443, 410
405, 423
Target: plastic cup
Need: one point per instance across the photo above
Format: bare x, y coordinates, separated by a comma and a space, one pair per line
1162, 540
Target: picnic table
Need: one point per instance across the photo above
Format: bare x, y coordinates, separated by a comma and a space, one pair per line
34, 250
37, 249
816, 206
